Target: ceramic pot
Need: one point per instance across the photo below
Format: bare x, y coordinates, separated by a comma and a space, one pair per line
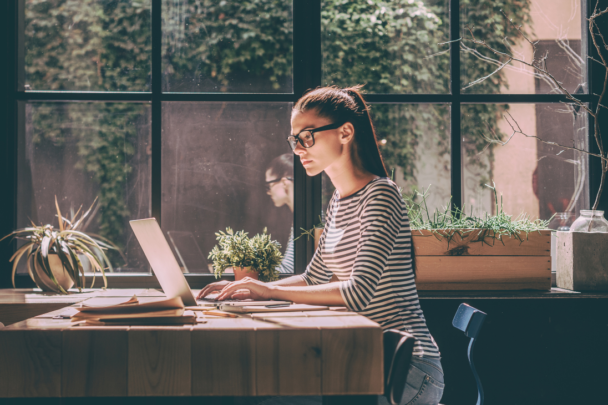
61, 275
242, 272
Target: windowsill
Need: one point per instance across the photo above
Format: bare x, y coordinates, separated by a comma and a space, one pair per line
136, 280
198, 281
554, 293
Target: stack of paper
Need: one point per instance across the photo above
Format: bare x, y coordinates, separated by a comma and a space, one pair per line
132, 312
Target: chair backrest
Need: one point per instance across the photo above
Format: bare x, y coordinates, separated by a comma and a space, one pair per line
470, 320
398, 348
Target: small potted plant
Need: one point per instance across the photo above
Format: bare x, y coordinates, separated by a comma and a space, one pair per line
55, 256
255, 257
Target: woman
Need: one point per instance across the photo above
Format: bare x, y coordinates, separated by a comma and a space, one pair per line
279, 186
366, 242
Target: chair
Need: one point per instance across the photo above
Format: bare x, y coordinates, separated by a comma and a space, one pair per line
398, 348
470, 320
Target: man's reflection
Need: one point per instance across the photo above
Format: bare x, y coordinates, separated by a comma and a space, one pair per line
279, 186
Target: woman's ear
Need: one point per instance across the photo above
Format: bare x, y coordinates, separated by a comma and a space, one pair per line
347, 133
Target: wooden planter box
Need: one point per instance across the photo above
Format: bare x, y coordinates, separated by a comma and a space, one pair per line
468, 264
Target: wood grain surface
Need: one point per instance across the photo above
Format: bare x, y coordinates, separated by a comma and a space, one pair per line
299, 361
223, 362
352, 361
30, 363
159, 362
483, 273
13, 313
291, 355
534, 244
94, 362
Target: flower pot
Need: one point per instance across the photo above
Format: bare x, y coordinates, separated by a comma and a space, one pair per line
467, 263
61, 275
242, 272
581, 261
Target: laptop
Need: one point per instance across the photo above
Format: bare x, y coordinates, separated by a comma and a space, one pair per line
167, 270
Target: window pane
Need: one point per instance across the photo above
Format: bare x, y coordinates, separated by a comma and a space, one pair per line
79, 152
393, 46
88, 45
555, 24
227, 46
415, 142
217, 158
533, 177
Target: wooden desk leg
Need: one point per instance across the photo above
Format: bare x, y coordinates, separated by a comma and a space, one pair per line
350, 400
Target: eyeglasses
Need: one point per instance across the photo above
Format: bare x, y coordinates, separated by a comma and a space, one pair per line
269, 183
307, 137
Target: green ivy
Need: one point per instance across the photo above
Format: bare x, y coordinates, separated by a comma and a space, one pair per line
102, 45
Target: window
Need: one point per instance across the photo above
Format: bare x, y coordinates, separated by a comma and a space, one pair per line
179, 108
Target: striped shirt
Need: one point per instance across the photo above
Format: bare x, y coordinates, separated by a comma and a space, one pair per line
367, 243
288, 262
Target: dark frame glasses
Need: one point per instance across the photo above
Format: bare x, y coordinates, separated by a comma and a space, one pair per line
270, 183
308, 140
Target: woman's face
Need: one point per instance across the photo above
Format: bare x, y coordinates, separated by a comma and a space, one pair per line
329, 146
277, 190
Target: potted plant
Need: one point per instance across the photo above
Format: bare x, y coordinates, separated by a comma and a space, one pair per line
255, 257
455, 251
55, 256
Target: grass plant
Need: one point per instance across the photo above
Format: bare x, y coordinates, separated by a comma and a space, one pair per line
449, 222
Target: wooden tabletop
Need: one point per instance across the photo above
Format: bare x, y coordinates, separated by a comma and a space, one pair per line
329, 353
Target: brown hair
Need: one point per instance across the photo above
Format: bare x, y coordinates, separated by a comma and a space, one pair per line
282, 165
348, 105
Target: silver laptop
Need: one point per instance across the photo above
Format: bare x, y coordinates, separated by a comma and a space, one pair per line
163, 263
167, 270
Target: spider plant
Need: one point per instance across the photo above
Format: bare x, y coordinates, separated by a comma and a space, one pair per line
68, 242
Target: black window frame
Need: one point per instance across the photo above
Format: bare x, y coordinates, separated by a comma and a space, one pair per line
307, 74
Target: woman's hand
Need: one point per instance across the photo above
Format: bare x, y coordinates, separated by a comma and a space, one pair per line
211, 288
247, 288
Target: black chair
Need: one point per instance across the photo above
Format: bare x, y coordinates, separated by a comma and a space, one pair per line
470, 320
398, 348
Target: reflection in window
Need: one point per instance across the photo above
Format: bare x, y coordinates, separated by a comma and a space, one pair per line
534, 178
227, 46
219, 166
93, 45
555, 24
414, 141
79, 152
393, 46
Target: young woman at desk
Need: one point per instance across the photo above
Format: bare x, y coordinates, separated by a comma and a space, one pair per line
367, 240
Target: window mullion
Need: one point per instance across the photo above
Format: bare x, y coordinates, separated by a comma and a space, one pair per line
456, 149
156, 115
306, 75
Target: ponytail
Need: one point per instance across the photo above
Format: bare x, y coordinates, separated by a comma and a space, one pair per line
365, 138
348, 105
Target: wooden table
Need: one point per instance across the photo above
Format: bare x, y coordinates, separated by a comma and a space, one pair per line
337, 354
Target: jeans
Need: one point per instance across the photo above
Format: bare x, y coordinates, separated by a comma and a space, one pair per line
424, 384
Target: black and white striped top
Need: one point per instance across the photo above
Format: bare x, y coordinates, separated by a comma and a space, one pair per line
367, 243
288, 262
